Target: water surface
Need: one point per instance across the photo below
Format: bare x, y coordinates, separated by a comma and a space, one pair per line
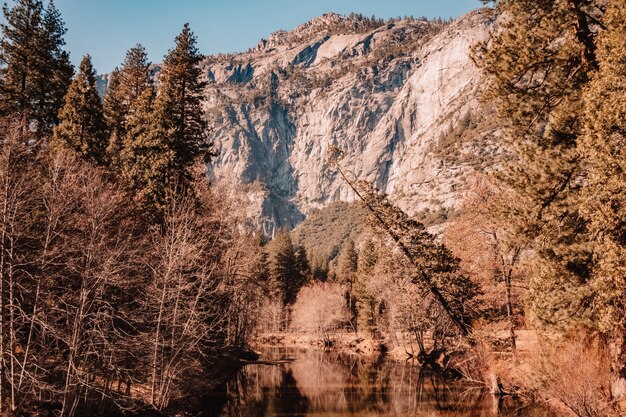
331, 384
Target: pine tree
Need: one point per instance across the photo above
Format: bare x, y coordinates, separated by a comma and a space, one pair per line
179, 116
604, 202
145, 156
319, 268
81, 122
285, 271
348, 262
537, 68
365, 297
35, 71
126, 86
19, 38
114, 117
56, 71
134, 75
163, 136
367, 258
302, 261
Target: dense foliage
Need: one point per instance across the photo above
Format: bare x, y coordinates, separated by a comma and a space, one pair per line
555, 73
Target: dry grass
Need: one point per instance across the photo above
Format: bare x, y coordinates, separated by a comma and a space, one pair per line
575, 373
571, 375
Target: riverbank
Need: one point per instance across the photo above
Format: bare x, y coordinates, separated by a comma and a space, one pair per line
401, 347
194, 393
569, 375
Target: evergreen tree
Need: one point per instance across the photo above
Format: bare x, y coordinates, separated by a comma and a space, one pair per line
81, 122
348, 262
367, 258
262, 268
302, 261
319, 268
20, 32
178, 114
35, 70
604, 202
537, 68
114, 116
285, 271
126, 86
134, 75
347, 266
56, 71
145, 157
364, 297
163, 136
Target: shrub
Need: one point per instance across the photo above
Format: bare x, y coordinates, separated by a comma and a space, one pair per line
320, 309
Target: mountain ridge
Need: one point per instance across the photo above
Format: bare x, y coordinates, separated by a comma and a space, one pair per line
399, 97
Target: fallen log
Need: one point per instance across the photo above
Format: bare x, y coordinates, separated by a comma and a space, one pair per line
268, 362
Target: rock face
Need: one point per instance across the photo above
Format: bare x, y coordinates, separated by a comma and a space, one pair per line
399, 97
387, 96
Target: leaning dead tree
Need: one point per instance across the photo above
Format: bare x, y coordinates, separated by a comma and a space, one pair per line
435, 268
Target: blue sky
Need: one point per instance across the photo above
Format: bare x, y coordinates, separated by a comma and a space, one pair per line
107, 28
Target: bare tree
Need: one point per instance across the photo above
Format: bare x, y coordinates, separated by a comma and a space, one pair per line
98, 304
201, 291
16, 200
321, 309
487, 247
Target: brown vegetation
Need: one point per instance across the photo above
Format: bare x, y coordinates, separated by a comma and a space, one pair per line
321, 309
98, 305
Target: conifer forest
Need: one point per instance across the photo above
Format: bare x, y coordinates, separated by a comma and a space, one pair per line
214, 229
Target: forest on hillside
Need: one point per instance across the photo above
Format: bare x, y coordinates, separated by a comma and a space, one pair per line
129, 282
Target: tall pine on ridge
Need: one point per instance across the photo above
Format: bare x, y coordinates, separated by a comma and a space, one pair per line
81, 122
126, 85
57, 71
114, 118
134, 75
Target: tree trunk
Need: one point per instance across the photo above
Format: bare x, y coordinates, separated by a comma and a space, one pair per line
3, 261
509, 310
618, 390
11, 284
157, 336
584, 35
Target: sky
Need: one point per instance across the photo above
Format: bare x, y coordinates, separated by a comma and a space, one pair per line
106, 29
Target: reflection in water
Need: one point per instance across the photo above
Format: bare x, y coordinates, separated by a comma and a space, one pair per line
320, 383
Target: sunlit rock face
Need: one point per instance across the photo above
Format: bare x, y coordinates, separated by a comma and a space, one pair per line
400, 98
386, 96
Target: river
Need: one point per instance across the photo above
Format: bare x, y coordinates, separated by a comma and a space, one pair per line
331, 384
